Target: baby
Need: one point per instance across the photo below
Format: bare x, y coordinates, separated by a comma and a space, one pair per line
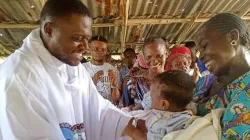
170, 92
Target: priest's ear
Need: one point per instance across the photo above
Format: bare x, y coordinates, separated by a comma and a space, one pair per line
48, 29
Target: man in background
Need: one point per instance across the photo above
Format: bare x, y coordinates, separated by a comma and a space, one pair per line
196, 63
130, 59
104, 75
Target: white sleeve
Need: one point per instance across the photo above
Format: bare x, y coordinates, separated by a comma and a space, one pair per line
24, 112
104, 121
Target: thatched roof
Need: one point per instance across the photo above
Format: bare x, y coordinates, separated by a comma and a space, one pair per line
125, 23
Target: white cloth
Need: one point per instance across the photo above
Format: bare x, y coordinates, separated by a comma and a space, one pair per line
103, 85
204, 128
39, 93
161, 123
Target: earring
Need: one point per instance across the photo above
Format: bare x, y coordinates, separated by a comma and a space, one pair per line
233, 43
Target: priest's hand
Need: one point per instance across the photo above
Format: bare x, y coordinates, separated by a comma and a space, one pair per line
97, 76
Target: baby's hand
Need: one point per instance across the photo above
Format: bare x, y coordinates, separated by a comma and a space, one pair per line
192, 107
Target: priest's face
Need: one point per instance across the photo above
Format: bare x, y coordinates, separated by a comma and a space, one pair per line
68, 37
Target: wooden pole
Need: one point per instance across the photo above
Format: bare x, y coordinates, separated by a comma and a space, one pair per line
5, 50
130, 22
124, 24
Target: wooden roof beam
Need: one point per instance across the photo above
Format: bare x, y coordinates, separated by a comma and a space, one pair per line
130, 22
5, 50
196, 10
244, 13
33, 26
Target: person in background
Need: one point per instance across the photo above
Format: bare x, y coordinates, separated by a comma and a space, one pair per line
109, 59
223, 42
179, 59
104, 75
130, 59
154, 56
171, 91
167, 46
46, 93
195, 60
139, 68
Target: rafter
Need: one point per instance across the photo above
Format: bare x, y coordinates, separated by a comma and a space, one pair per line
130, 22
247, 10
197, 10
5, 50
32, 26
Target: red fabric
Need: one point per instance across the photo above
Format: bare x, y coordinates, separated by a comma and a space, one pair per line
141, 60
177, 51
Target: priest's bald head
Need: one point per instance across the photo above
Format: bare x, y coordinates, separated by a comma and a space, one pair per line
65, 29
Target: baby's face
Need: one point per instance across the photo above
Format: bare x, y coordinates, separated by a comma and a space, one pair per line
157, 101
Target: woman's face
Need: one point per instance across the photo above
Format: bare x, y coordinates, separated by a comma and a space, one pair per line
155, 56
181, 63
216, 50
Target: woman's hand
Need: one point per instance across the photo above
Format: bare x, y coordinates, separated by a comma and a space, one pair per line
196, 74
113, 78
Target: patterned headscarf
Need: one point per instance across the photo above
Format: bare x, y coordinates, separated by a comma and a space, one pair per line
140, 66
178, 51
141, 60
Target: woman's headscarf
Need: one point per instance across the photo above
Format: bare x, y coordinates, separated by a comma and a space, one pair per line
141, 60
178, 51
140, 64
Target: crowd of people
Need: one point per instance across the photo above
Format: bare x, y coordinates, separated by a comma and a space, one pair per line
49, 91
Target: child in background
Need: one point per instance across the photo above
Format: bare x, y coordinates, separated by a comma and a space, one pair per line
170, 91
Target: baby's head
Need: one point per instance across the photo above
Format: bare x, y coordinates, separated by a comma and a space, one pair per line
172, 91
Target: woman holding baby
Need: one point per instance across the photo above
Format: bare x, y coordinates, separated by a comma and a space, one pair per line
223, 42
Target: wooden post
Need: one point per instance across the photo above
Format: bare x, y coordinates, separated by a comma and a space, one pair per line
124, 24
42, 2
